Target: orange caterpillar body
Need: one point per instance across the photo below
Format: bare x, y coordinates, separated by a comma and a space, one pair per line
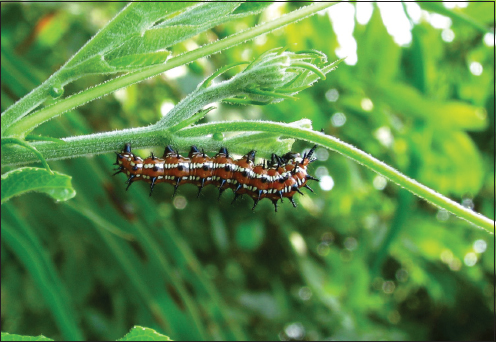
282, 177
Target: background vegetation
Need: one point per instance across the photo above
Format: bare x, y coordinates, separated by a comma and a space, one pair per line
362, 260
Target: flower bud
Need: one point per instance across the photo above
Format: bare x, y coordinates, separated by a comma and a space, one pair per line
277, 75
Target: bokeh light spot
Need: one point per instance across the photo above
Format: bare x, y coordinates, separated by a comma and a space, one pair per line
363, 12
180, 202
440, 21
326, 183
480, 246
176, 72
298, 243
121, 95
166, 107
470, 259
295, 331
342, 17
367, 104
350, 243
332, 95
442, 215
383, 134
322, 154
305, 293
489, 39
455, 264
448, 35
388, 287
476, 68
338, 119
379, 182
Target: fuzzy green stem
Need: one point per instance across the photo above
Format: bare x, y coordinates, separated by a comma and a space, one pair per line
30, 122
351, 152
85, 145
16, 112
15, 141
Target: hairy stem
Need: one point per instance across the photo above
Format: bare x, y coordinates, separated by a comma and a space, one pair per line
351, 152
16, 112
148, 137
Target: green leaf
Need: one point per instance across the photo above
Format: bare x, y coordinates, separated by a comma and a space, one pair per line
445, 115
377, 52
252, 6
152, 40
135, 18
139, 60
456, 15
20, 181
12, 125
138, 333
33, 137
15, 141
132, 40
210, 14
13, 337
127, 35
452, 164
21, 240
204, 15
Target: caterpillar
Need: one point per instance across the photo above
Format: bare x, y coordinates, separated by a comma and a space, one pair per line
281, 177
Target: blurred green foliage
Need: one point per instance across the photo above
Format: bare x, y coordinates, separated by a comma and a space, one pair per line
365, 260
137, 333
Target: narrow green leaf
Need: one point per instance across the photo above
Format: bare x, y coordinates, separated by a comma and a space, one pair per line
152, 40
13, 337
138, 333
20, 181
93, 65
252, 6
15, 141
452, 164
205, 14
33, 137
222, 70
22, 242
98, 221
191, 120
130, 62
310, 67
245, 102
270, 93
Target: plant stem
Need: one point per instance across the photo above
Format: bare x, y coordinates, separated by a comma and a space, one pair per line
29, 123
148, 136
351, 152
85, 145
16, 112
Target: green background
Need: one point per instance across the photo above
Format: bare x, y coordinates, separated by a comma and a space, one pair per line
365, 260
